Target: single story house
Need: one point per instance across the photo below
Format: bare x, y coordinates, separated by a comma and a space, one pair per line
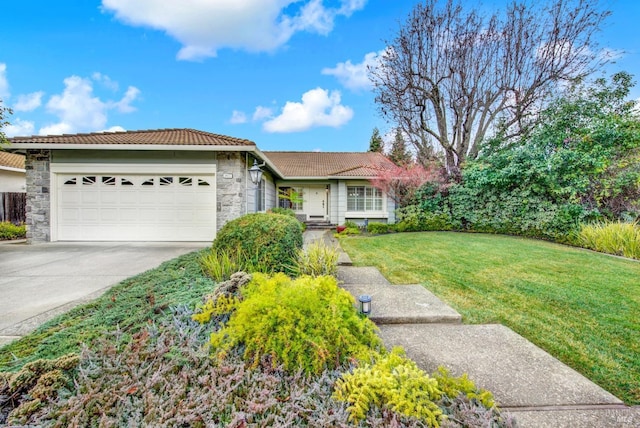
183, 185
12, 173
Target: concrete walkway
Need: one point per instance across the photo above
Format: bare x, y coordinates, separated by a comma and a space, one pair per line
38, 282
537, 389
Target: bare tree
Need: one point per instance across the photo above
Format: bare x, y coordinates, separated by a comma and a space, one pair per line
451, 75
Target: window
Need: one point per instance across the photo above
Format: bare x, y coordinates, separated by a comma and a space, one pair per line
364, 198
166, 181
109, 181
88, 180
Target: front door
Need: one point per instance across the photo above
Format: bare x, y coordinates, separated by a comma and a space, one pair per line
315, 203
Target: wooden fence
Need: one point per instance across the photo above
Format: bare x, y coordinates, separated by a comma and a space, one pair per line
13, 207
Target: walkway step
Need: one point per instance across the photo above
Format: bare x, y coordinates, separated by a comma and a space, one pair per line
361, 275
518, 373
584, 418
404, 304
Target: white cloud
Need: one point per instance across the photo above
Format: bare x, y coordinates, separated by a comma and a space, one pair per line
19, 127
4, 83
318, 108
355, 76
262, 113
79, 110
205, 26
29, 102
124, 105
115, 129
105, 81
238, 117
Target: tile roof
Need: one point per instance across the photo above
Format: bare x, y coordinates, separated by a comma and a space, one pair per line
177, 137
11, 160
329, 164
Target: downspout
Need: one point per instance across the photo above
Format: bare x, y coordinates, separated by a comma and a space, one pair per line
246, 183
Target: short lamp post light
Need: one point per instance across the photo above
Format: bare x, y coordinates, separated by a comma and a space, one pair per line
365, 304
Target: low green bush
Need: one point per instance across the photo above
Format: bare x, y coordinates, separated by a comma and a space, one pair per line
395, 382
9, 231
317, 260
619, 238
266, 240
414, 219
308, 324
285, 211
377, 228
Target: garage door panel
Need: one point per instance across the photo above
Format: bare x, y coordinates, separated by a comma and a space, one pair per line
130, 207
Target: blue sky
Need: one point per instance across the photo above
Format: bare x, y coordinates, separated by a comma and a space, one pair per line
285, 74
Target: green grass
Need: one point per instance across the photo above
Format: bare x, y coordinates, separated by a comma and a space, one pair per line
581, 307
126, 307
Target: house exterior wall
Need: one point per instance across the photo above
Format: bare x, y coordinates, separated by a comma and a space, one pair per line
38, 182
12, 181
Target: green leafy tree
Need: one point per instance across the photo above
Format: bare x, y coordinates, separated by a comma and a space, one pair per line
375, 143
581, 162
399, 153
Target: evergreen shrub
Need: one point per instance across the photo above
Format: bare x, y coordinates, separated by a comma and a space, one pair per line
266, 240
307, 324
396, 383
377, 228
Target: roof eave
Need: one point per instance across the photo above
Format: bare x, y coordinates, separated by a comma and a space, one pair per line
12, 169
160, 147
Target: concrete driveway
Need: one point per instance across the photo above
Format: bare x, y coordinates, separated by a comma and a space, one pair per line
38, 282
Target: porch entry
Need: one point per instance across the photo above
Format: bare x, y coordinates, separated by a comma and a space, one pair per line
309, 202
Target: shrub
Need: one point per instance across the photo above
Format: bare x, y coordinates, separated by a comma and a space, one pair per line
395, 382
349, 224
619, 238
414, 219
9, 231
267, 241
307, 324
284, 211
377, 228
317, 260
163, 377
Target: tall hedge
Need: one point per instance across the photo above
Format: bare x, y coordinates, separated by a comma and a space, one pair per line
268, 240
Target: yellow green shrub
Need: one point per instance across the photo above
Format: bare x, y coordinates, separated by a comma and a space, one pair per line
307, 324
395, 382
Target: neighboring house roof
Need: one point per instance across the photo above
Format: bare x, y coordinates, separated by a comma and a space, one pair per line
156, 138
329, 164
11, 161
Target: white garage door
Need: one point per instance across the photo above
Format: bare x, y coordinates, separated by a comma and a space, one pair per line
135, 207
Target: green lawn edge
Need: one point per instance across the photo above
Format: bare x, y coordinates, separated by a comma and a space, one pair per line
580, 306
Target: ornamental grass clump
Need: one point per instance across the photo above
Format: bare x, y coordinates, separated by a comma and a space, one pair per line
317, 260
307, 324
619, 238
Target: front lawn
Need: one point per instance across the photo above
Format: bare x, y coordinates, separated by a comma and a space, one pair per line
581, 307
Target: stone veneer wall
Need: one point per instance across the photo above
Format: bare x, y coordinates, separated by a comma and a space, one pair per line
231, 187
38, 195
